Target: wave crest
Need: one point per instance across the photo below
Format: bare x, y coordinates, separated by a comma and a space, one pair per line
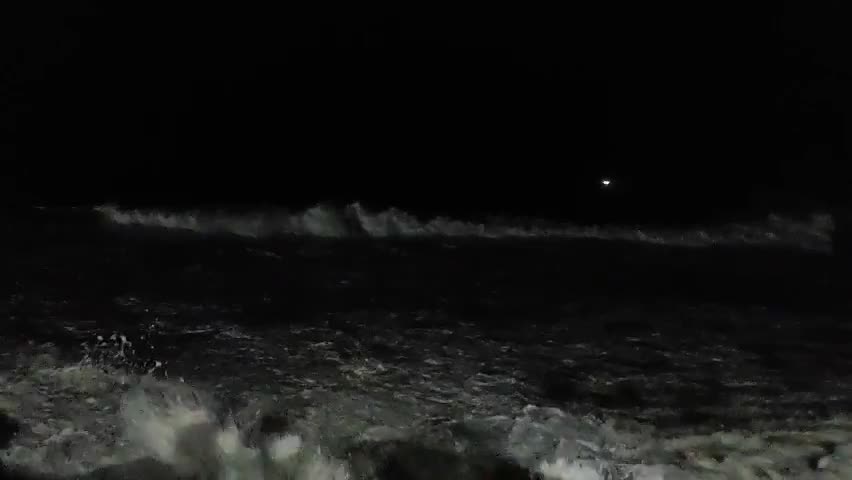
354, 220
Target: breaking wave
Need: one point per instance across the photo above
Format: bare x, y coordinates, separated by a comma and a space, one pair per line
354, 221
91, 423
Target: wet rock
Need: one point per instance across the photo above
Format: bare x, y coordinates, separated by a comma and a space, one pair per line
9, 427
819, 462
409, 461
256, 432
273, 424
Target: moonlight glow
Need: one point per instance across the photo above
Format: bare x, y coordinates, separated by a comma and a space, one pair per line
605, 182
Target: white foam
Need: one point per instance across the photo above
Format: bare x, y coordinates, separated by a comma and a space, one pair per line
157, 427
561, 469
178, 426
561, 447
79, 418
355, 220
284, 448
180, 430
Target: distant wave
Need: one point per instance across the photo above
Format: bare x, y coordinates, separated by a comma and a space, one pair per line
353, 220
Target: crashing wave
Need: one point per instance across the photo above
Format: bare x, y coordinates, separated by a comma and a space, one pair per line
91, 422
354, 221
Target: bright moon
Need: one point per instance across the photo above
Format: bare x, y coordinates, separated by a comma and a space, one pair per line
605, 182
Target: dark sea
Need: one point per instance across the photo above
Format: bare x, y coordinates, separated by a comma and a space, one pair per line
346, 344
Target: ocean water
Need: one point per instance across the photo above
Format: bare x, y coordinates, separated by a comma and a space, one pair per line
347, 344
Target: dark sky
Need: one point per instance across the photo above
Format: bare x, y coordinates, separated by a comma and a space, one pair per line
685, 105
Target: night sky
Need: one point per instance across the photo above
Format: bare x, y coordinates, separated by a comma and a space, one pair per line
689, 108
